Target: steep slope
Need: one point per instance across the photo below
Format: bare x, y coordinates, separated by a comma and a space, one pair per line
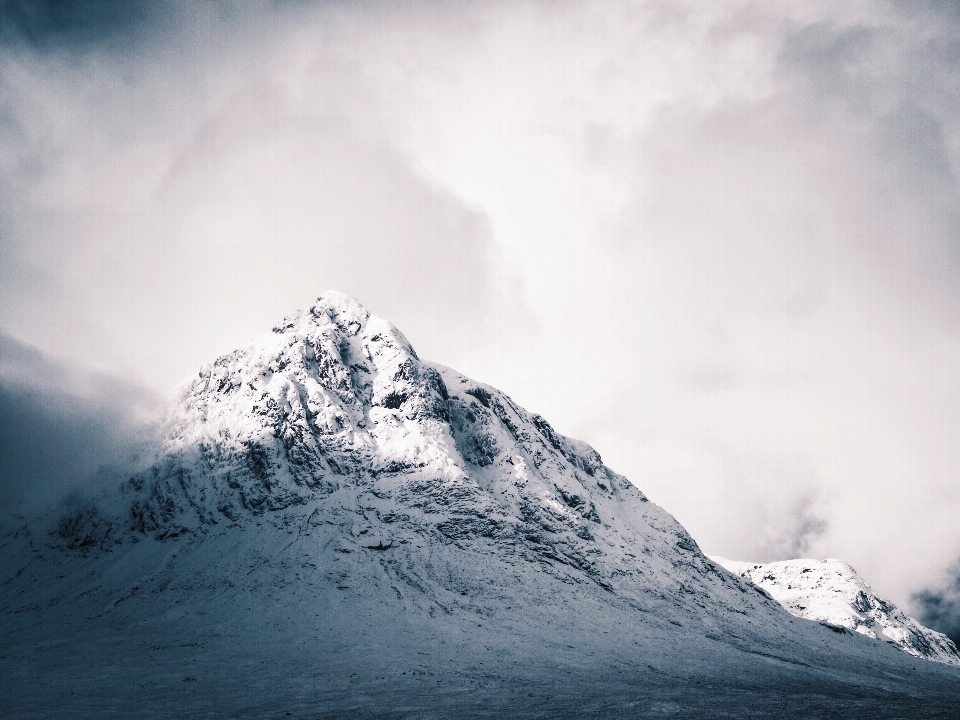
333, 526
830, 591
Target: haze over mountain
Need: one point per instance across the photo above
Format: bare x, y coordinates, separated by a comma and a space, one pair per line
332, 525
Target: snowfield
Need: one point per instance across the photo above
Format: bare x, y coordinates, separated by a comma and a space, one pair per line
335, 527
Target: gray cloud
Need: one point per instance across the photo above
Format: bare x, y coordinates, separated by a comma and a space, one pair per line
78, 24
64, 429
830, 60
895, 82
939, 607
772, 509
206, 186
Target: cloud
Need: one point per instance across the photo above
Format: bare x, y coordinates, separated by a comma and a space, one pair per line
164, 205
794, 291
77, 24
939, 607
64, 429
764, 526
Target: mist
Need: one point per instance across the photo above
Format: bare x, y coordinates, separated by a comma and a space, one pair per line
717, 241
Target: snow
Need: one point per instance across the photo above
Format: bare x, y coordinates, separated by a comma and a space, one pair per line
831, 592
333, 525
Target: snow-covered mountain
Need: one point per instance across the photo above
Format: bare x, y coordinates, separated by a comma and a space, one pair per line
332, 525
333, 415
831, 592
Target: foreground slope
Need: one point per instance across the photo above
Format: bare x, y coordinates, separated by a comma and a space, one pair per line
333, 525
830, 591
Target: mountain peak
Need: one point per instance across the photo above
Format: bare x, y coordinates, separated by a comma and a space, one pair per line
334, 415
831, 592
333, 307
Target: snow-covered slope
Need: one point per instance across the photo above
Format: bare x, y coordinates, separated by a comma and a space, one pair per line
831, 592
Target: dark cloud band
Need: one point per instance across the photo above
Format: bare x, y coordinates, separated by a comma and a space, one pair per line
939, 608
77, 24
63, 429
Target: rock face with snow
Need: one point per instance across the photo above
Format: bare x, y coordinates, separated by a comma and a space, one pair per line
831, 592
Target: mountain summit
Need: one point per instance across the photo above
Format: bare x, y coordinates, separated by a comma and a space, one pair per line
333, 526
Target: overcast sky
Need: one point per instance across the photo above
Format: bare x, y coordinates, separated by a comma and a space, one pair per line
720, 241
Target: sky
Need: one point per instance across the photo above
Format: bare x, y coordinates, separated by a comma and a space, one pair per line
719, 241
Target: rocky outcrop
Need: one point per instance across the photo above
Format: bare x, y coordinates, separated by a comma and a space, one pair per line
831, 592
